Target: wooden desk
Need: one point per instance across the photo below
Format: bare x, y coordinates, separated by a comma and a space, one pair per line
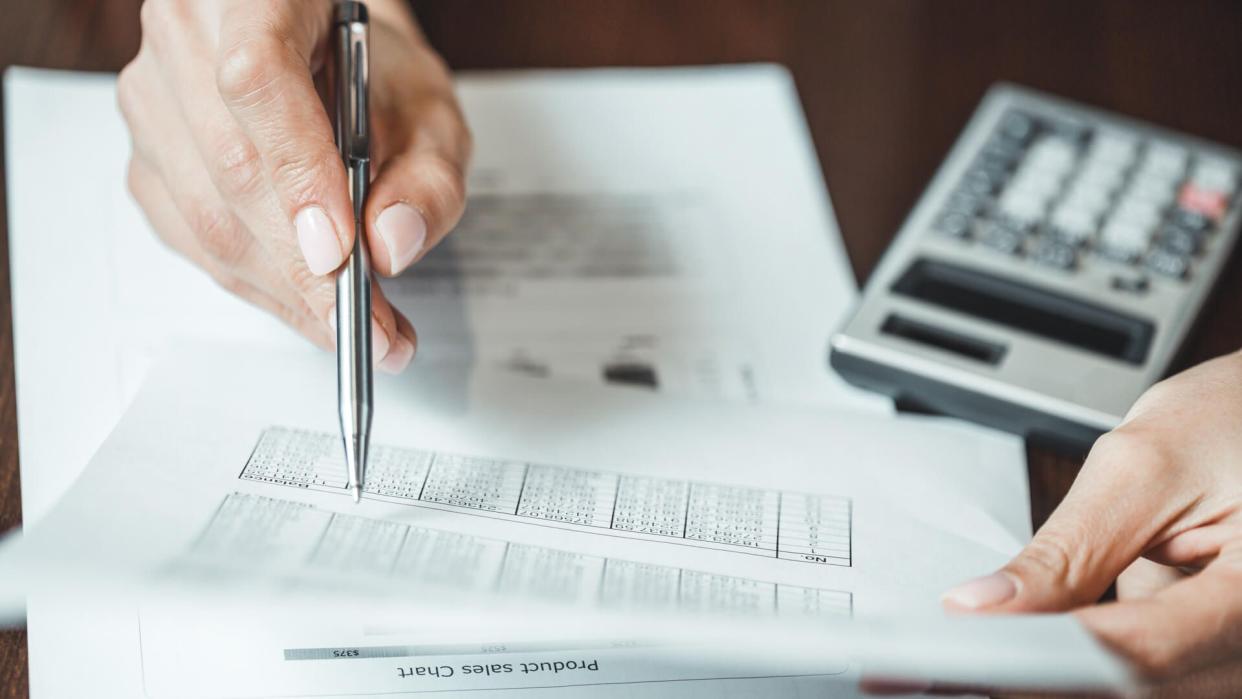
886, 86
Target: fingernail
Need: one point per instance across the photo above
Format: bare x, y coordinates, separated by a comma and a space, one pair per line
399, 357
317, 237
379, 342
404, 232
981, 593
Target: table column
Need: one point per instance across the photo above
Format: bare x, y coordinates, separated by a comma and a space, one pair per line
462, 561
359, 545
480, 484
723, 514
725, 593
651, 506
630, 584
297, 458
798, 601
561, 494
397, 473
262, 531
815, 529
561, 576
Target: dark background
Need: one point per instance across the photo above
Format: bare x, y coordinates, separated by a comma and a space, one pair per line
886, 86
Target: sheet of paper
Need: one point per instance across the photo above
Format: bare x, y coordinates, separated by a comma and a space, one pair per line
665, 227
621, 504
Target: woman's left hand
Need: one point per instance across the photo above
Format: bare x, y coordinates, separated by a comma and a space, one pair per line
1157, 508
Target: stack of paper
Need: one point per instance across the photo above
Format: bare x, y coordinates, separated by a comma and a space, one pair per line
661, 228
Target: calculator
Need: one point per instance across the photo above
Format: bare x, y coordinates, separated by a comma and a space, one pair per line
1049, 273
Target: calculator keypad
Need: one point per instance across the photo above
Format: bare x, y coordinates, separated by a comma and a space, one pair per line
1063, 196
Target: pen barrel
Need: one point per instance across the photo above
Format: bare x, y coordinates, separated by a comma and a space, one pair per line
353, 337
349, 82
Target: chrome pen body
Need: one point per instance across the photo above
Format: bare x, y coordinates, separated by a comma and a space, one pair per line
353, 281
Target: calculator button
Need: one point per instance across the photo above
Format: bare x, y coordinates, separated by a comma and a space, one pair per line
1192, 221
1103, 178
1024, 208
983, 181
1143, 215
1003, 238
1072, 133
1001, 153
1163, 178
1113, 148
954, 225
1017, 127
1122, 240
1130, 283
1156, 191
1214, 175
1037, 187
1055, 254
1168, 264
1092, 201
1210, 203
1165, 159
965, 203
1179, 241
1072, 224
1054, 155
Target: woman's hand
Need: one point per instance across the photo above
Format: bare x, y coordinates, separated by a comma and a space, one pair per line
1157, 508
235, 166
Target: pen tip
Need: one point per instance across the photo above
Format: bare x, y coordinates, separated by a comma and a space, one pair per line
357, 491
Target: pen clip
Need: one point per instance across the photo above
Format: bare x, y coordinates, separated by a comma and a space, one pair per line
351, 82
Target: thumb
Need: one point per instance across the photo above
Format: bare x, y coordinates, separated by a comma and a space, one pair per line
1116, 509
420, 192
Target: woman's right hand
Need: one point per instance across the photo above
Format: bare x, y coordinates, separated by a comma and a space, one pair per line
235, 166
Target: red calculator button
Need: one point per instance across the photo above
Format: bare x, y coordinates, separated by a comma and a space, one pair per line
1208, 202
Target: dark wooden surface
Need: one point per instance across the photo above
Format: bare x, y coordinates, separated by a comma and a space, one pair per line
886, 86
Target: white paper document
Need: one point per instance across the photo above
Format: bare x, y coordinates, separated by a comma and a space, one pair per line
666, 228
525, 533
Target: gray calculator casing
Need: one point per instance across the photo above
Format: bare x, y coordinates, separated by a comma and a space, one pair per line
1019, 380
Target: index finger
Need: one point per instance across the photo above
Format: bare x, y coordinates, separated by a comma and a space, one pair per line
264, 77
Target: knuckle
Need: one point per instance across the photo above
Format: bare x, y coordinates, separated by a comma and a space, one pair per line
447, 183
246, 68
1050, 557
133, 181
302, 174
163, 21
444, 114
136, 181
1130, 448
127, 91
239, 170
152, 16
219, 235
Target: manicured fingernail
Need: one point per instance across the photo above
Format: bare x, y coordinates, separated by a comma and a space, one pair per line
404, 232
981, 593
399, 357
379, 342
317, 238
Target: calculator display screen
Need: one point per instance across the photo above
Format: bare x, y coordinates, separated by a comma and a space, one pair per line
1028, 308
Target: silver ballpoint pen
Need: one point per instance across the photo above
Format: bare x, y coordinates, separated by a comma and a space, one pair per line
353, 281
